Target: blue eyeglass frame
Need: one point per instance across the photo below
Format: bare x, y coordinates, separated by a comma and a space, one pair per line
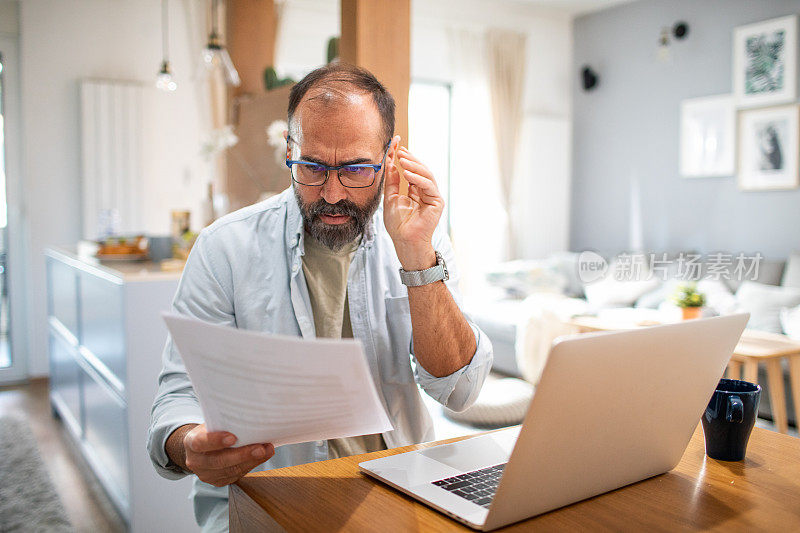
376, 168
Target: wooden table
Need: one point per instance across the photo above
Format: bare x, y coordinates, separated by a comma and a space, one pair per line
760, 493
754, 347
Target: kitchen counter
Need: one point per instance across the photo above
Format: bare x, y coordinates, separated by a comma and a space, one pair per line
123, 271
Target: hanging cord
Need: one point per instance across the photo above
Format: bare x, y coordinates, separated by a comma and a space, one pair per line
214, 15
165, 30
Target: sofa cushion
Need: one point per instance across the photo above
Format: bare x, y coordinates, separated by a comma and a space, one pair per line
652, 299
790, 322
769, 273
764, 303
609, 292
627, 279
791, 275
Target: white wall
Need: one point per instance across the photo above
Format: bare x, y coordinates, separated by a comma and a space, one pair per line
9, 17
63, 42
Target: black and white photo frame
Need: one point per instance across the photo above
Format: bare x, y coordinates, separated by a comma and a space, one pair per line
769, 148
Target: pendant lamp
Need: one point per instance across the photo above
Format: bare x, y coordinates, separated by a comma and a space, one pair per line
215, 55
164, 81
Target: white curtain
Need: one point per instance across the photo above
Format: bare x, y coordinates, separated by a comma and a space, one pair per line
506, 68
476, 209
279, 7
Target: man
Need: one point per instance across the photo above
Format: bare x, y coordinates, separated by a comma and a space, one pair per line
321, 259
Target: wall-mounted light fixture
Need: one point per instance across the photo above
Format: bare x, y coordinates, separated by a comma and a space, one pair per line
679, 31
589, 78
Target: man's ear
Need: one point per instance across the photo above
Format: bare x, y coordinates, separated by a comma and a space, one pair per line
393, 146
286, 138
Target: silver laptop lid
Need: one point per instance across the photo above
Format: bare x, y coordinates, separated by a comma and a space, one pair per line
612, 409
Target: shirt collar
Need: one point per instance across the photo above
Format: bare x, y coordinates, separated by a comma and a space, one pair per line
294, 222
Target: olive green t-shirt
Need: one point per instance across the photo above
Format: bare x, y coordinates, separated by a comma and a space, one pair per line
326, 276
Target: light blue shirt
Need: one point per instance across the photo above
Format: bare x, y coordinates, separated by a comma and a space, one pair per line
245, 270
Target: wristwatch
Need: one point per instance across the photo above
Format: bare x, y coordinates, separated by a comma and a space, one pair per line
416, 278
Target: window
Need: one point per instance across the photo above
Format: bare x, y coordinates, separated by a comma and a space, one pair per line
429, 133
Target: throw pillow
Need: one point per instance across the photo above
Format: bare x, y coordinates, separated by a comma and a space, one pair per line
609, 292
719, 298
764, 302
769, 272
790, 320
654, 298
791, 276
627, 279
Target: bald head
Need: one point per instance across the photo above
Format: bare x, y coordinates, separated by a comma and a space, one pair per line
340, 85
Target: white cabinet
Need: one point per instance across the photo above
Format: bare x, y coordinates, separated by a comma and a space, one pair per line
106, 337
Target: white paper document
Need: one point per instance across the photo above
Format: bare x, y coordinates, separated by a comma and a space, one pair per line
276, 388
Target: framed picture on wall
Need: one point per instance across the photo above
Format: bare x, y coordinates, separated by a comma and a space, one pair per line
769, 148
765, 62
708, 137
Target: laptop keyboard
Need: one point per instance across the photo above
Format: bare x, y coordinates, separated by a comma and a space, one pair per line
477, 486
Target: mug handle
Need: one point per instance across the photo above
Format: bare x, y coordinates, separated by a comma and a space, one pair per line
735, 412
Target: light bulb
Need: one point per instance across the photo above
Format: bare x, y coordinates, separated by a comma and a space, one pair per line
214, 57
164, 80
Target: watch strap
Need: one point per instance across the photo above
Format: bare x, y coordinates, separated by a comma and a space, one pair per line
417, 278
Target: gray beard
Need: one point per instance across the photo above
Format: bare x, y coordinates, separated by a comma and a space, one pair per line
335, 237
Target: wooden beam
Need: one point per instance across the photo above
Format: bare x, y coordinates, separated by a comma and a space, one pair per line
376, 35
251, 41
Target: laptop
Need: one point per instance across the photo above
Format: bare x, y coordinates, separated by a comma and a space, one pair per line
610, 409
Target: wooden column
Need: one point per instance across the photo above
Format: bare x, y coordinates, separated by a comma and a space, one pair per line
376, 35
251, 41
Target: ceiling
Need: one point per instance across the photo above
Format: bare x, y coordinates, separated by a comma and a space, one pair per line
575, 7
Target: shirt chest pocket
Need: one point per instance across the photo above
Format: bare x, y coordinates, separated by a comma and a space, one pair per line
396, 364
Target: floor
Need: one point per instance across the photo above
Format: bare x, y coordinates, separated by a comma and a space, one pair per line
86, 505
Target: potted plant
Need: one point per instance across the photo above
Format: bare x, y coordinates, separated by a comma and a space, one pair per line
689, 300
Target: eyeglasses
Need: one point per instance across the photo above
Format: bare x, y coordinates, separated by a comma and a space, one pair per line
355, 176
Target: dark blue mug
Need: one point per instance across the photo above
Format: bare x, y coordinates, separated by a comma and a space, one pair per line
729, 419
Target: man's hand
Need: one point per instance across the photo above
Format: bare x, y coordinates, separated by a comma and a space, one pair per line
209, 454
411, 220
